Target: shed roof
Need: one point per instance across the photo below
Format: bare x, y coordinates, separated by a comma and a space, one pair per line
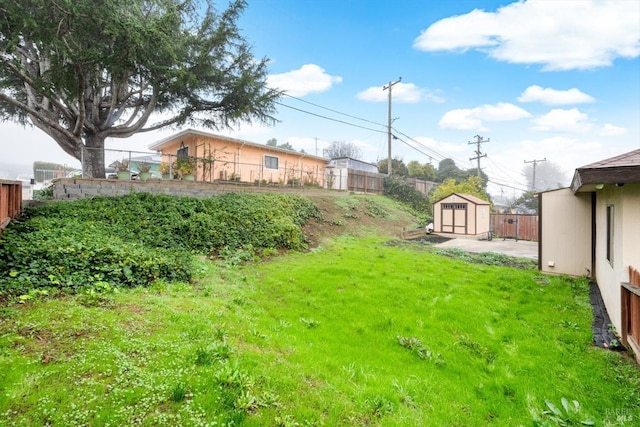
622, 169
473, 199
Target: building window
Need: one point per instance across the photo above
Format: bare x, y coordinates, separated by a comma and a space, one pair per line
183, 151
457, 206
610, 234
271, 162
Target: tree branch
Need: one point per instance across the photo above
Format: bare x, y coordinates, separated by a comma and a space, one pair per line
30, 82
35, 113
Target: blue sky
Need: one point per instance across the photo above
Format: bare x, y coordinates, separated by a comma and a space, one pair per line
547, 79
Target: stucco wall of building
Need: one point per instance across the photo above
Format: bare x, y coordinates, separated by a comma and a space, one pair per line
565, 220
625, 202
235, 159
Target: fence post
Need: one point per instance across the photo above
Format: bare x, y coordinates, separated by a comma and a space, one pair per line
82, 159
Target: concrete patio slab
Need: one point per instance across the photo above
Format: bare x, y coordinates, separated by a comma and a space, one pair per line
520, 248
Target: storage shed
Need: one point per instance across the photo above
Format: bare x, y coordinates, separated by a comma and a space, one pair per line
461, 214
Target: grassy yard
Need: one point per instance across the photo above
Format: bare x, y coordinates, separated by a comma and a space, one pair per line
356, 332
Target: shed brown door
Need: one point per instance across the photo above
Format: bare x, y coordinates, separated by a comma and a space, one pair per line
454, 218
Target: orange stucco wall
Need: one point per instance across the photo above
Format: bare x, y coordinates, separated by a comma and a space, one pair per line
245, 162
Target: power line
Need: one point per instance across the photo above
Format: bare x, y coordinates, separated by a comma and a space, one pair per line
411, 146
493, 181
430, 152
436, 155
502, 170
335, 111
330, 118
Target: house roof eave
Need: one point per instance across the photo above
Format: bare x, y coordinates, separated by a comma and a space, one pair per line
586, 179
621, 169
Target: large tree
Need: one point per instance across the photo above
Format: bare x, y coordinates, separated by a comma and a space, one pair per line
545, 175
339, 149
398, 168
85, 70
419, 170
447, 169
472, 185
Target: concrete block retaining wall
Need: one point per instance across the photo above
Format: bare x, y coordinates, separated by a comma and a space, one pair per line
75, 188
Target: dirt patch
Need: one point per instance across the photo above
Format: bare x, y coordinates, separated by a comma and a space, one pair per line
135, 309
432, 238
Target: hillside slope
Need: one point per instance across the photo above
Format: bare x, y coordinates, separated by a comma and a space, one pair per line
357, 215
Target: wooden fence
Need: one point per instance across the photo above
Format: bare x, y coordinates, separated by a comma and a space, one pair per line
415, 233
630, 296
365, 182
10, 201
515, 226
371, 182
421, 185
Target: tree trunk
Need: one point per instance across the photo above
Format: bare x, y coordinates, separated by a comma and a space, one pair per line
93, 157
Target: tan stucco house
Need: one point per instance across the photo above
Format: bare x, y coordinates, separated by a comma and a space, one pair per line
224, 158
593, 229
463, 214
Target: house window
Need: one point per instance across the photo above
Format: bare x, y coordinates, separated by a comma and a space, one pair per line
183, 151
610, 234
271, 162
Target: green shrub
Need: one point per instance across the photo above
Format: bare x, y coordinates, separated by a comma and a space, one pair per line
135, 239
407, 194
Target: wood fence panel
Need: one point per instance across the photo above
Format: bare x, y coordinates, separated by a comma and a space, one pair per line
365, 182
630, 301
515, 226
421, 185
10, 201
415, 233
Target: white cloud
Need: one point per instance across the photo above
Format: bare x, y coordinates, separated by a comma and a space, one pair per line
554, 144
559, 120
559, 35
441, 146
568, 152
473, 118
309, 78
407, 93
550, 96
461, 119
612, 130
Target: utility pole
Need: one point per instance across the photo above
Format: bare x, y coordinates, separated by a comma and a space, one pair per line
391, 84
535, 162
479, 154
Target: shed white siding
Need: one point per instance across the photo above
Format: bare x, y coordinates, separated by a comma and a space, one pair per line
461, 214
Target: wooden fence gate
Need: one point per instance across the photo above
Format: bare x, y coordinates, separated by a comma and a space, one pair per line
515, 226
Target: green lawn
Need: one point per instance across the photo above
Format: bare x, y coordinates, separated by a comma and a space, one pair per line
356, 332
